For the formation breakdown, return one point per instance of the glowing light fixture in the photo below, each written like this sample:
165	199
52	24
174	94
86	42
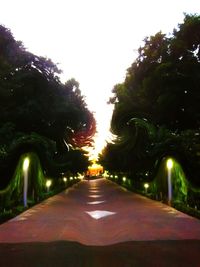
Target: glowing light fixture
48	184
25	170
124	179
146	185
169	182
26	164
80	176
169	164
65	179
105	174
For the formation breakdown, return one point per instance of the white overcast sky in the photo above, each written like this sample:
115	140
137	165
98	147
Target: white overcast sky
94	41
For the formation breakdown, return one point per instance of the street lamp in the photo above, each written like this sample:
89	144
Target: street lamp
169	182
146	186
48	184
25	172
124	179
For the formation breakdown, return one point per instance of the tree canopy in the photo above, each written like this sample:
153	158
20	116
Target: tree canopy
162	89
163	83
34	100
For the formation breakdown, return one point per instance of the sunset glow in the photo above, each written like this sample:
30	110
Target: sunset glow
95	169
94	41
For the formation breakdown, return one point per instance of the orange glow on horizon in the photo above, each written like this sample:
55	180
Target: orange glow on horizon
95	169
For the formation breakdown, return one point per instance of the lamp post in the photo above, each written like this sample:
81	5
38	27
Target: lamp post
64	180
25	172
48	184
124	179
146	186
169	182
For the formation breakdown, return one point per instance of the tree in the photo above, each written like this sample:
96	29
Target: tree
162	84
33	101
161	89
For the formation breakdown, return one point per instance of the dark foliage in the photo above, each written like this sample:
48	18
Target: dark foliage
156	109
37	111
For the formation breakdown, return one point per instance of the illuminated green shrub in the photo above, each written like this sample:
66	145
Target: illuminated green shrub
13	193
180	185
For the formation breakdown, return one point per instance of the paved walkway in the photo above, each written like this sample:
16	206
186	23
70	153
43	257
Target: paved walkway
105	220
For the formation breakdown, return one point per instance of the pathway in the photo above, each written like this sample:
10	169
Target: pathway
106	222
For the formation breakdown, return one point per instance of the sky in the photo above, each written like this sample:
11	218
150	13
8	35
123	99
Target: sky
94	41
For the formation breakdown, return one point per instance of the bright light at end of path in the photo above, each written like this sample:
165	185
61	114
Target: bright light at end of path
169	164
65	179
146	185
26	164
95	169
